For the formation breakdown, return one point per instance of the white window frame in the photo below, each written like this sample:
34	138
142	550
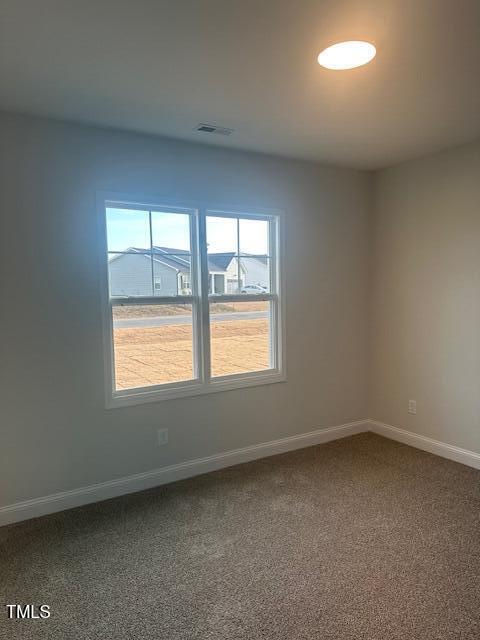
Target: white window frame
202	382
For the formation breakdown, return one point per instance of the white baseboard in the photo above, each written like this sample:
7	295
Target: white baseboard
156	477
469	458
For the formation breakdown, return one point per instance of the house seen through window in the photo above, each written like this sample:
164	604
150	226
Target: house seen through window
193	300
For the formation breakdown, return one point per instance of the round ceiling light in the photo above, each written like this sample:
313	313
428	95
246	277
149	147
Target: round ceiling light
347	55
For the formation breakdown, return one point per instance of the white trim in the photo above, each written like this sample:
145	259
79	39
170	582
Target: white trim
252	213
203	280
156	477
223	209
164	475
202	381
450	451
188	388
242	297
126	301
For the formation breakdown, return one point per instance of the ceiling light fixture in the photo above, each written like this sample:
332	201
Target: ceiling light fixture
347	55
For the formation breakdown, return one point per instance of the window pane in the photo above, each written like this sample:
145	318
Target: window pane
127	229
240	337
171	274
222	235
152	345
171	231
130	274
254	236
255	275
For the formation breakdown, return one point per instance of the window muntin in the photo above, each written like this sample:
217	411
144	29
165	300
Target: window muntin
181	307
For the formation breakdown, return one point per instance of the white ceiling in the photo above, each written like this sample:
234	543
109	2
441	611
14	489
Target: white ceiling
163	66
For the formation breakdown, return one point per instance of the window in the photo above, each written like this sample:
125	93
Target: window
193	302
185	284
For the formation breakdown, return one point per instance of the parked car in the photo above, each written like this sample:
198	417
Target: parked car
254	288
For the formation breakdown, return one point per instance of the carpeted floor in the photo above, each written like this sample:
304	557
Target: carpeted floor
362	538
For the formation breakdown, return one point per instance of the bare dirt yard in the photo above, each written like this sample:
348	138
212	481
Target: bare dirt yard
153	311
155	355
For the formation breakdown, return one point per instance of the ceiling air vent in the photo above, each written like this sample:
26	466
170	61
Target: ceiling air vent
211	128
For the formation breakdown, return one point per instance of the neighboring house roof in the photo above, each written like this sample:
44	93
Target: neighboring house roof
169	261
216	261
174	259
220	261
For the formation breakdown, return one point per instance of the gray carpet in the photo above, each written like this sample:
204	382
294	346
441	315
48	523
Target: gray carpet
361	538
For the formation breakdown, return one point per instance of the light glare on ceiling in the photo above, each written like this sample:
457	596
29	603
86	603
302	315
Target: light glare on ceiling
347	55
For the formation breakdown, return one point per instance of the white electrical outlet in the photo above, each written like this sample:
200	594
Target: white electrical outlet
162	437
412	407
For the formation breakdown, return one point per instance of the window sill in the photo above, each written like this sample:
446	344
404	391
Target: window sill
144	395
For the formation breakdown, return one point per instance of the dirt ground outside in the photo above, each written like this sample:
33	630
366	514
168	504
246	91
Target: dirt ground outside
152	311
156	355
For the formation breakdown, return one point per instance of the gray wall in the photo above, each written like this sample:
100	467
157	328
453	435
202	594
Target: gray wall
55	432
425	306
